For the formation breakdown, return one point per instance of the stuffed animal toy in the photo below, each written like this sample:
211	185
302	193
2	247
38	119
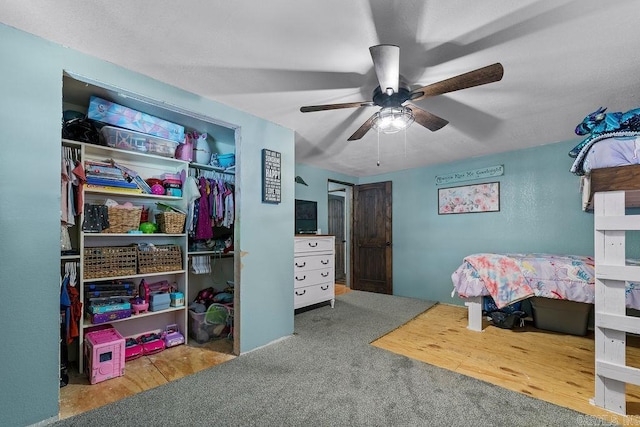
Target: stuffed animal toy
599	122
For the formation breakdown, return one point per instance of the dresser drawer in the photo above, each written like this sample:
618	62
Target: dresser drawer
313	262
313	244
313	294
312	277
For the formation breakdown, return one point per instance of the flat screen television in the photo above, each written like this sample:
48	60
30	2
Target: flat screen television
306	217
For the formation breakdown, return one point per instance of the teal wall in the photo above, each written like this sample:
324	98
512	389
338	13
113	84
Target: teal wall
316	189
539	212
31	109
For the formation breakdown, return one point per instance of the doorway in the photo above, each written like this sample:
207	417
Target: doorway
372	239
339	203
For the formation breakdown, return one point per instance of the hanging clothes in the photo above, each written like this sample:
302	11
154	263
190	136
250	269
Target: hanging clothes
65	303
203	227
71	180
213	194
73	330
191	193
72	306
65	181
78	182
213	204
229	208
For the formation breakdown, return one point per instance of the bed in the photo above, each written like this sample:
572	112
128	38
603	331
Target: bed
610	162
509	278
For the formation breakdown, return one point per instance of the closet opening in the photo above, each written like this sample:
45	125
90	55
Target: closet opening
192	264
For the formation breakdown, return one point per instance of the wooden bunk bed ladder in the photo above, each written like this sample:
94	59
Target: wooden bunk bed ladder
611	322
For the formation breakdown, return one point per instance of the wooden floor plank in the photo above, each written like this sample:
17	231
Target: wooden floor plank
550	366
141	374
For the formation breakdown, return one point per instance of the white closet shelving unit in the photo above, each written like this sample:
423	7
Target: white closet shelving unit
147	166
611	322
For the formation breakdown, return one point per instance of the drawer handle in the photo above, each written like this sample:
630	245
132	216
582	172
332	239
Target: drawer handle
324	262
324	288
313	244
325	274
301	265
300	280
300	294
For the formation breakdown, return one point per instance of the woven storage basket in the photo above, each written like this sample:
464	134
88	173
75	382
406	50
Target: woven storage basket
122	220
171	222
159	258
109	261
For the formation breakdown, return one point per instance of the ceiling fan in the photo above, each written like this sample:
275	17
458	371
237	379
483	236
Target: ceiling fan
392	95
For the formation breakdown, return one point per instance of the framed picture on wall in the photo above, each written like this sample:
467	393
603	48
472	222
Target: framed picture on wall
271	169
469	199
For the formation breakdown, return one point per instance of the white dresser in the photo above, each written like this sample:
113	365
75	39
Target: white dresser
313	270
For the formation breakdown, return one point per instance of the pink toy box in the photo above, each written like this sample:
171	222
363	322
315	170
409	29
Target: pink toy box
104	353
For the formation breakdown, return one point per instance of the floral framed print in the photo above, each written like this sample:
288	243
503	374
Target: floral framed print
469	199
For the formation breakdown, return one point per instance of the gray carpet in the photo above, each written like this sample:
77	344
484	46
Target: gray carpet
327	374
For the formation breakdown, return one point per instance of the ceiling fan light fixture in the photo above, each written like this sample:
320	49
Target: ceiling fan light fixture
393	119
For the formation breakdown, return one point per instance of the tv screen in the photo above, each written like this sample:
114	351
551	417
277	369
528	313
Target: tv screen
306	217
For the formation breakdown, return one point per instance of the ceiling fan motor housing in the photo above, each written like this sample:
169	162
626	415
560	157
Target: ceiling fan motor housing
396	99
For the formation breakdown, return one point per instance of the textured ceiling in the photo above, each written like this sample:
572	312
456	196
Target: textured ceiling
562	60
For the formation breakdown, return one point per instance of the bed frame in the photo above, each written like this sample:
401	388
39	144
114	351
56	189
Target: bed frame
474	313
620	178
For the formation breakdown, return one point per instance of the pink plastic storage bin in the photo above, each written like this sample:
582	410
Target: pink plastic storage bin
104	353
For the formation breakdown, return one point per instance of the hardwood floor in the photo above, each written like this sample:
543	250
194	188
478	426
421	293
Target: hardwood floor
550	366
341	289
141	374
145	373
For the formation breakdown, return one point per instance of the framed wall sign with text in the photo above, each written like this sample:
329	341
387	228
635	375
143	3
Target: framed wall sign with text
271	179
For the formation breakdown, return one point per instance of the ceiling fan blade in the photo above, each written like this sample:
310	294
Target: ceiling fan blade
427	119
310	108
489	74
362	129
386	61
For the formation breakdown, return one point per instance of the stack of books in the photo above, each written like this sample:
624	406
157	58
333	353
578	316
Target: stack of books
107	177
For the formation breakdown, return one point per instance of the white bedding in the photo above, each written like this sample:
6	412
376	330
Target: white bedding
614	151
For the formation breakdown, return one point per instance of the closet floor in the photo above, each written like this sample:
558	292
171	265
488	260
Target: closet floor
141	374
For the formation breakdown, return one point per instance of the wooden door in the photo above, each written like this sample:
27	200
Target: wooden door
336	228
372	244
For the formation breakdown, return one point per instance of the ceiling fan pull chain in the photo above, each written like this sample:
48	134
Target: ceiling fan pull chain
378	147
405	143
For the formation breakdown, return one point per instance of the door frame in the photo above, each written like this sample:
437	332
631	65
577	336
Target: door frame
332	186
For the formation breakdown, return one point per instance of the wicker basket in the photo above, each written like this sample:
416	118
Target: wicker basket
171	222
109	261
159	258
122	220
